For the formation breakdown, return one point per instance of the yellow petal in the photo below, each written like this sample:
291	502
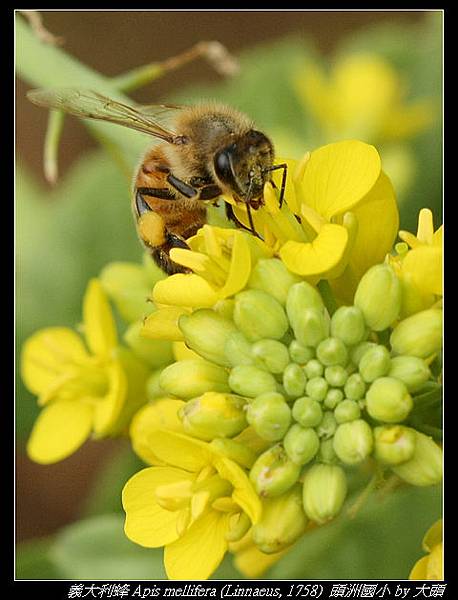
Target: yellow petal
425	229
252	563
338	176
318	257
243	492
433	536
147	523
47	354
180	450
419	569
378	221
424	265
162	324
61	428
109	407
185	290
406	121
240	268
199	552
99	325
434	569
162	414
182	352
438	236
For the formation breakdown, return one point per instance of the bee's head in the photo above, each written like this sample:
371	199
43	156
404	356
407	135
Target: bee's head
243	166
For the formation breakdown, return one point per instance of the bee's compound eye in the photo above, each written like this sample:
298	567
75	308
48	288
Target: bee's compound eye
223	166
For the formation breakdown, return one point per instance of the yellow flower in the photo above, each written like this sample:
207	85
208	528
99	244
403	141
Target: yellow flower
194	504
83	392
430	566
419	265
363	96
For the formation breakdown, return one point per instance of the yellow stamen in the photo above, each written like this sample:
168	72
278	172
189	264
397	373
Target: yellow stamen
425	226
174	496
225	504
239	527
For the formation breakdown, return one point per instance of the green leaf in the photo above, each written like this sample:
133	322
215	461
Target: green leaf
33	561
97	548
382	542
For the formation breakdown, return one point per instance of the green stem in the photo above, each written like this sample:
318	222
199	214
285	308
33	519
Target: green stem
363	496
51	145
327	295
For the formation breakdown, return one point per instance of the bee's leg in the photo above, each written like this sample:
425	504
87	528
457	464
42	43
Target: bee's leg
204	192
161	254
283	166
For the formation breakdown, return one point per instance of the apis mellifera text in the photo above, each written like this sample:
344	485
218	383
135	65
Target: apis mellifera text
208	150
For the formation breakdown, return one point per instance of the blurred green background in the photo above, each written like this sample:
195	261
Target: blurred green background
69	521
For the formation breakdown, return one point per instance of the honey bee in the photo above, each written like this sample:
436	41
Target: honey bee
203	152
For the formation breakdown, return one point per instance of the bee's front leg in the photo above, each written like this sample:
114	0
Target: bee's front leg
202	192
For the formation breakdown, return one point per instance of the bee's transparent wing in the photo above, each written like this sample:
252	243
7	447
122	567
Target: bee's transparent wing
87	104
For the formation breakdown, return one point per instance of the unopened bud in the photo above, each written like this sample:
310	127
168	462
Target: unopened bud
271	354
300	354
419	335
310	327
294	380
360	350
313	368
348	324
270	416
353	441
225	308
191	378
238	349
267	270
156	353
332	398
347	410
236	451
302	296
324	492
379	297
283	521
317	388
326	453
355	388
251	381
214	415
388	400
425	466
206	333
274	472
374	363
394	444
307	412
411	370
258	315
332	351
336	375
301	444
327	426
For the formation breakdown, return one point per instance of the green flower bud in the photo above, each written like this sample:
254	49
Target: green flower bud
324	492
206	333
394	444
301	297
317	388
214	415
283	522
310	327
327	426
411	370
379	296
300	354
153	389
267	270
156	353
251	381
191	378
270	416
353	441
347	410
274	473
236	451
301	444
419	335
336	375
294	380
332	351
307	412
333	397
359	350
348	324
388	400
258	315
326	453
355	388
314	368
225	308
374	363
271	354
238	350
425	466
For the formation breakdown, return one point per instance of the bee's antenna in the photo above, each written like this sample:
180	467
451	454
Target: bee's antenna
283	166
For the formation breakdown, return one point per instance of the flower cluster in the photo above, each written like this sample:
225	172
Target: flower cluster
274	368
